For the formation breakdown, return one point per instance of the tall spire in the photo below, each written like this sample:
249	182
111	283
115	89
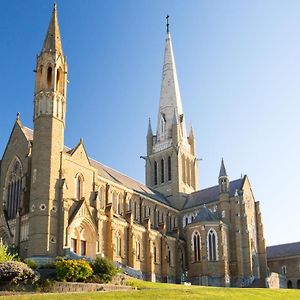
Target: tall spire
149	128
223	172
52	41
170	99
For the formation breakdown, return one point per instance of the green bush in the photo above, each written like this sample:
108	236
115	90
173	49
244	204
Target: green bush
31	263
5	255
104	269
15	272
72	270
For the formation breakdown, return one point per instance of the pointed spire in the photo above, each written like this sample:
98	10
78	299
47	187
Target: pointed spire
52	41
170	99
149	128
223	172
191	135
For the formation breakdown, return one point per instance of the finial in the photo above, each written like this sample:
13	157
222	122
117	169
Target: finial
81	140
18	116
54	4
167	17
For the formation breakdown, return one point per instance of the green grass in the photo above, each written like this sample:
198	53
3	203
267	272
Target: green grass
148	290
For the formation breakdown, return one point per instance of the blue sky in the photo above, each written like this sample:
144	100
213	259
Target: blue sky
238	64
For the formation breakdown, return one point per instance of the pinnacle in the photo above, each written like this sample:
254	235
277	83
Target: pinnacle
223	172
52	42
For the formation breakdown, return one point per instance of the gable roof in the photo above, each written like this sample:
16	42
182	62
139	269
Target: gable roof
113	175
205	215
197	198
211	194
290	249
117	177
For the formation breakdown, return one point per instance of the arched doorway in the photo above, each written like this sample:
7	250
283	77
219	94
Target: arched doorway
298	284
289	284
83	237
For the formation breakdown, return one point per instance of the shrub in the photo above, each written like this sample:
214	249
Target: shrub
72	270
104	269
15	272
31	263
5	255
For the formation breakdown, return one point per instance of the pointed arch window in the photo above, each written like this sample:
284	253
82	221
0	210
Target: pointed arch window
155	253
212	242
155	173
49	77
196	246
169	168
138	249
162	170
169	256
79	187
14	188
118	244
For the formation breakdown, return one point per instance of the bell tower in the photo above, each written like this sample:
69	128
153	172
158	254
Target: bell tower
171	164
48	142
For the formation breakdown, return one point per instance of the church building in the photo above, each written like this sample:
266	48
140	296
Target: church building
58	201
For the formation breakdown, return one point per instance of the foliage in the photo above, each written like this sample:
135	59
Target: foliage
104	269
5	254
44	285
72	270
31	263
15	272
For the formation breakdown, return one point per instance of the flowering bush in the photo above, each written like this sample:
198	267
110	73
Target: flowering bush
15	272
72	270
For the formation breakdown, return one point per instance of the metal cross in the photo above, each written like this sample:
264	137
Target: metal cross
167	17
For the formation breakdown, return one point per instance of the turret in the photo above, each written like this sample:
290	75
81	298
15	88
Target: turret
223	179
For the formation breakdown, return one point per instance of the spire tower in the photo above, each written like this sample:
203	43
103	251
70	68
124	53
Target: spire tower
171	165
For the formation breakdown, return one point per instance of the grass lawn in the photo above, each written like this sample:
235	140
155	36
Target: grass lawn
147	290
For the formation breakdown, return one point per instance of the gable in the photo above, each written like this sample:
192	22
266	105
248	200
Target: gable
79	155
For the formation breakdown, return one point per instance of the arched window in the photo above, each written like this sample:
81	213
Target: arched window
169	255
169	168
196	245
155	254
118	244
14	188
212	245
283	270
59	80
155	173
183	169
39	78
118	205
188	172
138	249
79	187
162	170
49	77
134	211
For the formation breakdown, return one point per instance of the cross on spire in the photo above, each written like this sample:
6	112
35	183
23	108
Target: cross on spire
167	17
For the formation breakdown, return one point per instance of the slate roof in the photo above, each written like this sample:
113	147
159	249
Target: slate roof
113	175
282	250
205	215
211	194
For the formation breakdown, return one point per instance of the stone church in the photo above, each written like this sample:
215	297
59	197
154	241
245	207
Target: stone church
58	201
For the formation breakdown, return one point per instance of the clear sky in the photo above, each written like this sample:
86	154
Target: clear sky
238	65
